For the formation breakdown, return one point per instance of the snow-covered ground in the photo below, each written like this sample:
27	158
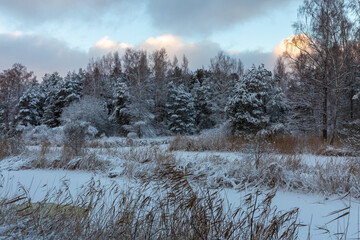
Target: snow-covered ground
314	208
130	160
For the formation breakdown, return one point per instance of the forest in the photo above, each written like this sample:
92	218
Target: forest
313	89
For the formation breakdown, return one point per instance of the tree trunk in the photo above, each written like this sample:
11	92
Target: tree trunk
334	134
324	114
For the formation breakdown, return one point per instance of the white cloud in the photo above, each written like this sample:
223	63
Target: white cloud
198	53
106	43
47	55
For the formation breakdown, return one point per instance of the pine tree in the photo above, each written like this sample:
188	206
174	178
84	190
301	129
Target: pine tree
121	114
181	110
70	90
60	94
29	107
50	87
202	104
257	104
13	82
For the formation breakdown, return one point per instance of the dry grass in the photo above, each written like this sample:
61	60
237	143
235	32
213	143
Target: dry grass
208	143
281	144
290	173
10	147
144	162
88	162
289	144
174	210
106	143
45	145
48	157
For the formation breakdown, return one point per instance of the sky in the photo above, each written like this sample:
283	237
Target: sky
62	35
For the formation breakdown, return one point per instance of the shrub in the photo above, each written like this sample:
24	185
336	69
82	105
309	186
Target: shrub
39	134
75	137
90	110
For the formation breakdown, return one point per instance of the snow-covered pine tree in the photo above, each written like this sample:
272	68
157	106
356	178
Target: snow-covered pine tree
60	94
13	82
29	107
181	110
202	104
258	104
121	114
50	87
70	90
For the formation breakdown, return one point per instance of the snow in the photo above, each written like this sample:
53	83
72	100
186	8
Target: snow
38	182
314	209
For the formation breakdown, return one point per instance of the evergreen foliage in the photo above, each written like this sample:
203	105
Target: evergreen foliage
181	110
258	104
29	107
202	105
121	113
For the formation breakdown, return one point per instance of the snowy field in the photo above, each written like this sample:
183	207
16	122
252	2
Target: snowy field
130	163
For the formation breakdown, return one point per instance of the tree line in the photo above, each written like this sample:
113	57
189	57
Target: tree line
314	87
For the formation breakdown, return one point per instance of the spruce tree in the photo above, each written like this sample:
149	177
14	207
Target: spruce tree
181	110
121	114
60	94
202	104
29	107
258	104
50	87
70	90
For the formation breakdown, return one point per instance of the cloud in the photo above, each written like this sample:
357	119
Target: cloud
46	55
198	16
39	54
178	17
40	11
105	45
293	45
198	53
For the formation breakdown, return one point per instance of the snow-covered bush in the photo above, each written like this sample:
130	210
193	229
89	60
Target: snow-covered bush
75	137
140	129
42	133
90	110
